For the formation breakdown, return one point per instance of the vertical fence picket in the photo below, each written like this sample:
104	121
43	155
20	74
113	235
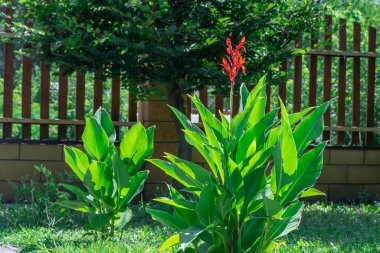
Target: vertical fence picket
44	100
203	97
356	85
236	104
26	96
79	103
218	105
282	85
188	106
313	72
371	72
115	101
342	80
62	102
327	74
297	88
268	92
98	90
132	108
8	74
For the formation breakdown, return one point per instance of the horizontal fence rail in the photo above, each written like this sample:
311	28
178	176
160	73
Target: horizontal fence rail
352	119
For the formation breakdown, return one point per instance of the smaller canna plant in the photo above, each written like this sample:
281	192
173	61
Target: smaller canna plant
111	178
260	167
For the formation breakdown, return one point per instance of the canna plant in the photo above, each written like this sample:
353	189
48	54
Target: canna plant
259	167
111	178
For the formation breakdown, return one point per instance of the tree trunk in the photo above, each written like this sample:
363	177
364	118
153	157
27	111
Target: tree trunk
175	99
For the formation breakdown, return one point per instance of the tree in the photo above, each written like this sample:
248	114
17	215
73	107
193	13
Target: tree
172	43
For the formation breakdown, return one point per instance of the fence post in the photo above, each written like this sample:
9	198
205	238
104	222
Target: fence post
62	102
371	84
297	89
79	103
327	74
356	85
342	80
8	73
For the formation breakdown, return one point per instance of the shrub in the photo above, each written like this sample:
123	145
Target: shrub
259	168
111	179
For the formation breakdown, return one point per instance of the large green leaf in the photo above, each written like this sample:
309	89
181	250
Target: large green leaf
290	220
134	146
95	139
99	221
121	175
308	171
206	205
136	186
77	160
124	218
186	123
188	235
165	219
180	203
172	241
75	205
100	175
106	123
284	155
310	128
312	192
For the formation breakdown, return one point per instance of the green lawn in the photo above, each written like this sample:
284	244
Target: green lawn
324	228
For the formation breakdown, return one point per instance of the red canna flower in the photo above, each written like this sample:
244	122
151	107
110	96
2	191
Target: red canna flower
234	61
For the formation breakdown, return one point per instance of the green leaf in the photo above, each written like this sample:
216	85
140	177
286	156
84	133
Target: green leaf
310	128
165	219
100	175
77	160
188	235
244	94
105	122
134	145
180	203
99	221
312	192
95	139
172	241
76	190
206	205
186	123
308	171
272	208
121	174
136	186
125	217
75	205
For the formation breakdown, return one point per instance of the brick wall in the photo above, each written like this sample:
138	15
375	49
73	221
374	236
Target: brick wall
346	172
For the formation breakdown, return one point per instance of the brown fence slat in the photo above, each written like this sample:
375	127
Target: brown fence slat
268	92
342	80
44	100
26	89
371	85
313	73
297	90
218	105
236	104
79	103
98	90
8	75
132	108
282	85
115	101
327	74
188	106
203	96
62	102
356	85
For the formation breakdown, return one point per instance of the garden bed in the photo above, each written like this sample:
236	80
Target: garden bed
324	228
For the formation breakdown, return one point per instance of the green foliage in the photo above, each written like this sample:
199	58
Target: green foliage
260	167
175	43
111	179
37	199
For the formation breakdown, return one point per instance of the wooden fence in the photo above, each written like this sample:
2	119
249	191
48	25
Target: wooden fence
353	133
44	121
344	130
